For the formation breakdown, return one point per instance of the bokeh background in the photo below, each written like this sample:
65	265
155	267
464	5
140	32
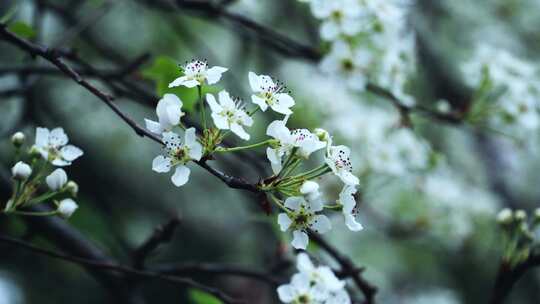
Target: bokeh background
430	235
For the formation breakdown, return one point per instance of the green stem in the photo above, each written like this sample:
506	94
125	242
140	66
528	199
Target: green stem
280	205
262	143
42	198
201	101
292	167
45	213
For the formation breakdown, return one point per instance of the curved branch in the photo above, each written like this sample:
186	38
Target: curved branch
507	277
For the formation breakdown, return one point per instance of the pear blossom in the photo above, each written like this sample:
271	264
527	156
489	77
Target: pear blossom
52	145
21	171
169	113
178	154
287	140
348	65
270	94
338	160
67	207
300	216
300	291
228	114
196	73
314	285
57	179
346	199
340	17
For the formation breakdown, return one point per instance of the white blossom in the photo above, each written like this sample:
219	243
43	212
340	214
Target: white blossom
340	17
169	113
52	145
229	114
338	160
270	94
21	171
196	73
57	179
286	140
67	207
177	154
302	215
18	139
347	200
314	285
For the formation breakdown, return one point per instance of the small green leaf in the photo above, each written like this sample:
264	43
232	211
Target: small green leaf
163	71
199	297
22	29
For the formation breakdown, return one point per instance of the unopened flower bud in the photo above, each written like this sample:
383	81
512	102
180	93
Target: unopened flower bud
67	207
309	187
322	134
56	180
18	139
72	188
505	216
520	215
34	152
21	171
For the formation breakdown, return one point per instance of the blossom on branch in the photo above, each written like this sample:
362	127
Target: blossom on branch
196	73
270	94
53	147
169	113
229	114
178	154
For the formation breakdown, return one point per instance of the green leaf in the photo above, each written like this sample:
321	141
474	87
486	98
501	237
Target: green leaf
22	29
163	71
199	297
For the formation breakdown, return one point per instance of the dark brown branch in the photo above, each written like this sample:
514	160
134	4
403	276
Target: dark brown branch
347	268
162	234
53	57
216	269
507	277
120	269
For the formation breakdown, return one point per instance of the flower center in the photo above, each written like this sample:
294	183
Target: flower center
303	299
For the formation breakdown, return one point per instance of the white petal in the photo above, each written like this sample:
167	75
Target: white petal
278	130
238	130
213	74
300	240
260	102
321	224
329	30
286	293
70	153
220	121
225	100
254	82
178	82
60	162
348	178
161	164
294	202
214	106
42	137
303	263
281	109
58	137
153	126
351	222
195	151
57	179
191	83
180	176
284	221
190	137
285	100
273	156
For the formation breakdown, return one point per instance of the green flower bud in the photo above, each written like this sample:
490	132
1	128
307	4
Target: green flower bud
72	188
18	139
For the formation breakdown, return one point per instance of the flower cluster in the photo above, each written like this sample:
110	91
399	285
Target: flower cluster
313	285
519	234
295	193
511	86
36	182
369	41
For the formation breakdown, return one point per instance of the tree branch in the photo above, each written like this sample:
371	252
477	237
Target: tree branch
507	277
120	269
